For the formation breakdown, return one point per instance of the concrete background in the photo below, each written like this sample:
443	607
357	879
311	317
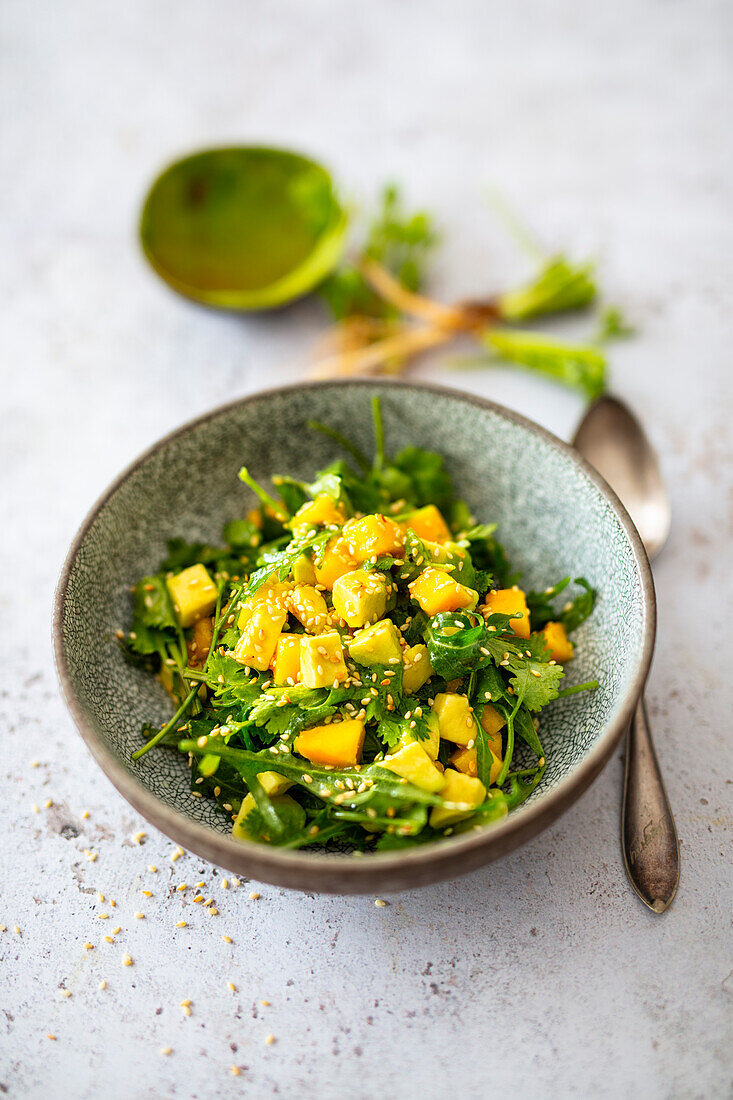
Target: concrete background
609	127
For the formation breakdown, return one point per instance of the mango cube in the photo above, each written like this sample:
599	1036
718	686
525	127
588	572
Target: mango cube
413	764
466	761
193	594
558	642
338	743
263	624
309	608
198	647
492	721
360	597
286	666
336	561
428	523
464	792
373	536
435	591
509	601
322	660
416	670
431	743
378	644
321	512
456	719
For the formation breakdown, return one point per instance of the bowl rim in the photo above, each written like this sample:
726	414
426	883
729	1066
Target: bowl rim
388	871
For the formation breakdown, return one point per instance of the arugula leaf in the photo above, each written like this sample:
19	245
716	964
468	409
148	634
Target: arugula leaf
580	608
456	643
488	555
281	562
540	606
430	482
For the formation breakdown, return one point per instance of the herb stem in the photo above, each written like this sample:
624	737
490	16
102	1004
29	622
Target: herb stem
589	685
337	437
262	494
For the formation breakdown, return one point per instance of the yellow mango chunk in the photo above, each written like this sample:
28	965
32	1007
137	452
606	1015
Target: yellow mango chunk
465	760
417	669
360	597
435	591
321	512
286	666
309	608
322	660
558	642
509	601
273	594
338	743
337	560
198	647
492	721
193	594
456	719
464	791
413	764
260	633
431	743
428	523
373	536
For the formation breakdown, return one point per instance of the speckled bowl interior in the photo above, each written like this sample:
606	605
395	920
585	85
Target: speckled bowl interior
555	517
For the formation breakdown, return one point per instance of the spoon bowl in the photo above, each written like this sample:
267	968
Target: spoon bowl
614	442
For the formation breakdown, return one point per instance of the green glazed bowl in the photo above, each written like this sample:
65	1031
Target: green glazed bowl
243	228
556	516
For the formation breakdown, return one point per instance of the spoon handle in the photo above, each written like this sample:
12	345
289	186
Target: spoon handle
648	833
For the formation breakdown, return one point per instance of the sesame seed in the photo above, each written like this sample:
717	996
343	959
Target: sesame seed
35	808
140	916
183	886
102	984
52	1037
103	916
234	1070
116	931
109	939
126	960
270	1040
152	868
254	895
65	992
231	987
166	1050
181	924
380	903
85	813
227	939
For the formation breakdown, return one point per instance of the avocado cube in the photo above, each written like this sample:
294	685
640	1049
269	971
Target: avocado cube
431	743
456	719
463	792
322	660
360	597
413	764
193	594
417	669
378	644
304	571
261	630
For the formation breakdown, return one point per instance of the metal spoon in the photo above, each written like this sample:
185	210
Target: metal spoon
612	439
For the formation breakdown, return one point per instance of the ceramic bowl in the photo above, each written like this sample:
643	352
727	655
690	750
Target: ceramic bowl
556	516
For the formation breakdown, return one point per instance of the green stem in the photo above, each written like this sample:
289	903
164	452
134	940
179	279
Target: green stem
589	685
262	494
337	437
379	456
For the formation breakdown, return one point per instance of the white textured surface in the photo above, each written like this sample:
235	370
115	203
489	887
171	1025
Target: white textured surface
610	126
